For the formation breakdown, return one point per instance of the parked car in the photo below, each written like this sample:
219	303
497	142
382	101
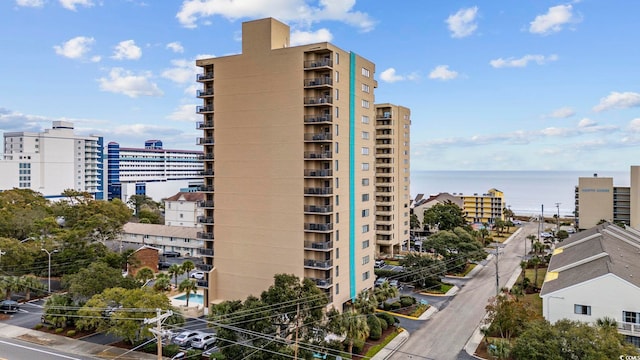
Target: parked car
379	264
9	306
184	338
394	283
380	281
163	265
203	341
170	253
545	235
199	275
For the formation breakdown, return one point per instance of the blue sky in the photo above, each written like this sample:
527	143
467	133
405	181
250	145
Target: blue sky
492	84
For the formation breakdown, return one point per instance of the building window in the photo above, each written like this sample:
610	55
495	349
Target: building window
365	228
630	317
582	309
365	276
365	135
365	212
365	72
337	218
364	119
365	182
365	260
337	200
337	183
365	244
337	270
337	289
365	103
365	151
337	76
365	88
337	57
365	197
365	166
336	165
337	112
337	94
336	147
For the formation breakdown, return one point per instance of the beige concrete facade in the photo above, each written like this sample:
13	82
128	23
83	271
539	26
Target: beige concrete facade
289	139
594	201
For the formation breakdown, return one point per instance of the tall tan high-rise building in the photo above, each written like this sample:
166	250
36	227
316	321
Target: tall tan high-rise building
292	164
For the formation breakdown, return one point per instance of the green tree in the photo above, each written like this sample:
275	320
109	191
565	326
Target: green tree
507	317
365	302
10	284
414	222
532	238
175	270
187	267
456	247
92	280
151	217
562	234
355	328
385	292
138	202
189	287
422	270
30	284
162	283
446	216
59	310
20	211
145	274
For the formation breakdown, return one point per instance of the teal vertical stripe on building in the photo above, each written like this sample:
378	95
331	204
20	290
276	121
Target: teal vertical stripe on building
352	175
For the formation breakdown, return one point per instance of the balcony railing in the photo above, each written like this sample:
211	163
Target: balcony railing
208	156
318	136
204	235
318	118
204	267
205	203
630	328
325	245
203	283
204	125
322	283
318	173
318	209
205	76
318	63
208	172
318	264
208	252
318	100
207	92
318	81
205	219
318	155
318	190
318	227
205	188
204	109
205	141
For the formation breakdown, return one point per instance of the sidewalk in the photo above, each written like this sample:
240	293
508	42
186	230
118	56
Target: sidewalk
392	346
68	345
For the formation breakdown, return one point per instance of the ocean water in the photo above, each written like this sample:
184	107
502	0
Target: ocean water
526	192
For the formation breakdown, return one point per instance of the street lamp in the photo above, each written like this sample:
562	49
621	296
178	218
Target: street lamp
2	253
49	253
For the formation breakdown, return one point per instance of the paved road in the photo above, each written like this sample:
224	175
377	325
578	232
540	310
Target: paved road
444	335
12	349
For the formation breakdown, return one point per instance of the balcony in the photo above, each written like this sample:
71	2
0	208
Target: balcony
326	118
205	188
629	328
208	172
318	209
207	252
318	227
318	264
204	235
205	219
318	155
318	82
205	203
325	245
318	173
203	283
204	267
318	100
322	283
312	64
205	93
204	77
205	141
207	156
200	125
323	136
204	109
318	191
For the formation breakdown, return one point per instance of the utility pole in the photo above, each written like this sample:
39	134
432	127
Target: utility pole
497	273
558	218
158	330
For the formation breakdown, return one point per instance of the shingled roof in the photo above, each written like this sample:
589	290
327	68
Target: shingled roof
604	249
187	196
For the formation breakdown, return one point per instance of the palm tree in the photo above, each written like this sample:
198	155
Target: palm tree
30	283
355	327
163	282
145	274
532	238
188	286
608	324
385	292
55	310
523	266
10	284
187	266
536	262
175	270
365	302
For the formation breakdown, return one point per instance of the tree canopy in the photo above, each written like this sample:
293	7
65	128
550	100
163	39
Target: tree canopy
446	216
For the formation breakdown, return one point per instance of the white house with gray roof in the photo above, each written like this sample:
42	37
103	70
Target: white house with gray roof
163	237
596	274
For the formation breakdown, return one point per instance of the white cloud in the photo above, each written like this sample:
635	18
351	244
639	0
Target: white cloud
585	123
125	82
185	112
462	23
442	72
390	76
309	37
30	3
127	50
71	4
562	113
618	100
523	61
182	72
176	47
553	20
75	48
634	125
290	11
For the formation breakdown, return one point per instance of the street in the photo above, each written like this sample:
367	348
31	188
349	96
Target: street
445	334
13	349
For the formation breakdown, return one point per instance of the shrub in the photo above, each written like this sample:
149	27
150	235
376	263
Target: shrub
406	302
59	330
38	326
383	324
396	305
169	350
358	346
388	318
71	333
375	329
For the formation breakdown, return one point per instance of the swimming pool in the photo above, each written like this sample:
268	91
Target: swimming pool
193	298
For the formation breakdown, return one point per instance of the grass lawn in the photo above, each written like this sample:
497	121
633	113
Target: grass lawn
530	273
444	287
374	349
535	301
392	262
466	270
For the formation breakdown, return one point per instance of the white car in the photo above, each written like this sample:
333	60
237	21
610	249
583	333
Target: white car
203	341
184	338
199	275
